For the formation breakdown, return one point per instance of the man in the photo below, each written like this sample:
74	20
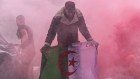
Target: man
65	24
24	33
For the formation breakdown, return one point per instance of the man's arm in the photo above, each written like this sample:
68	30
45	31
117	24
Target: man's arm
24	38
51	32
83	29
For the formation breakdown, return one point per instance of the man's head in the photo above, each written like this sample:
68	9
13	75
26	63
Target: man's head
69	9
20	20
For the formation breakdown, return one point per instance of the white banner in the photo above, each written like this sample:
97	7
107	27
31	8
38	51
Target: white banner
82	61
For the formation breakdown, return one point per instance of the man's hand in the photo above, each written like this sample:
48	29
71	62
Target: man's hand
44	49
95	43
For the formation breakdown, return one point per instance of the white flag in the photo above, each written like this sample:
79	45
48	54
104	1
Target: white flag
82	61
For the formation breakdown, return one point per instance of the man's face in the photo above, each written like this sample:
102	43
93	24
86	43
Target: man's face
70	13
20	20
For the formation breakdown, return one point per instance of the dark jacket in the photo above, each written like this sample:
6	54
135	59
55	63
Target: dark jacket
67	32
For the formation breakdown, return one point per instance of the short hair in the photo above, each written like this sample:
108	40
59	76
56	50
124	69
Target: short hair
69	5
20	16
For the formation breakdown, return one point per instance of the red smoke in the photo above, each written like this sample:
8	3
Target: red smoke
126	64
115	24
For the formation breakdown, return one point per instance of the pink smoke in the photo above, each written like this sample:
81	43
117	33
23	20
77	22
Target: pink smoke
113	23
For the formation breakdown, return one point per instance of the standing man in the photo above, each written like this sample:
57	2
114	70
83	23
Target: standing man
65	24
24	33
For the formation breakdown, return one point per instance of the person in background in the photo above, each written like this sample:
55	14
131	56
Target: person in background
25	34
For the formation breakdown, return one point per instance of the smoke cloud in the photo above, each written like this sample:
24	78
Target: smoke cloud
115	24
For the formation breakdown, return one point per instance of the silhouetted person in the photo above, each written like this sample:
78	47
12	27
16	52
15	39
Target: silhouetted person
24	33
